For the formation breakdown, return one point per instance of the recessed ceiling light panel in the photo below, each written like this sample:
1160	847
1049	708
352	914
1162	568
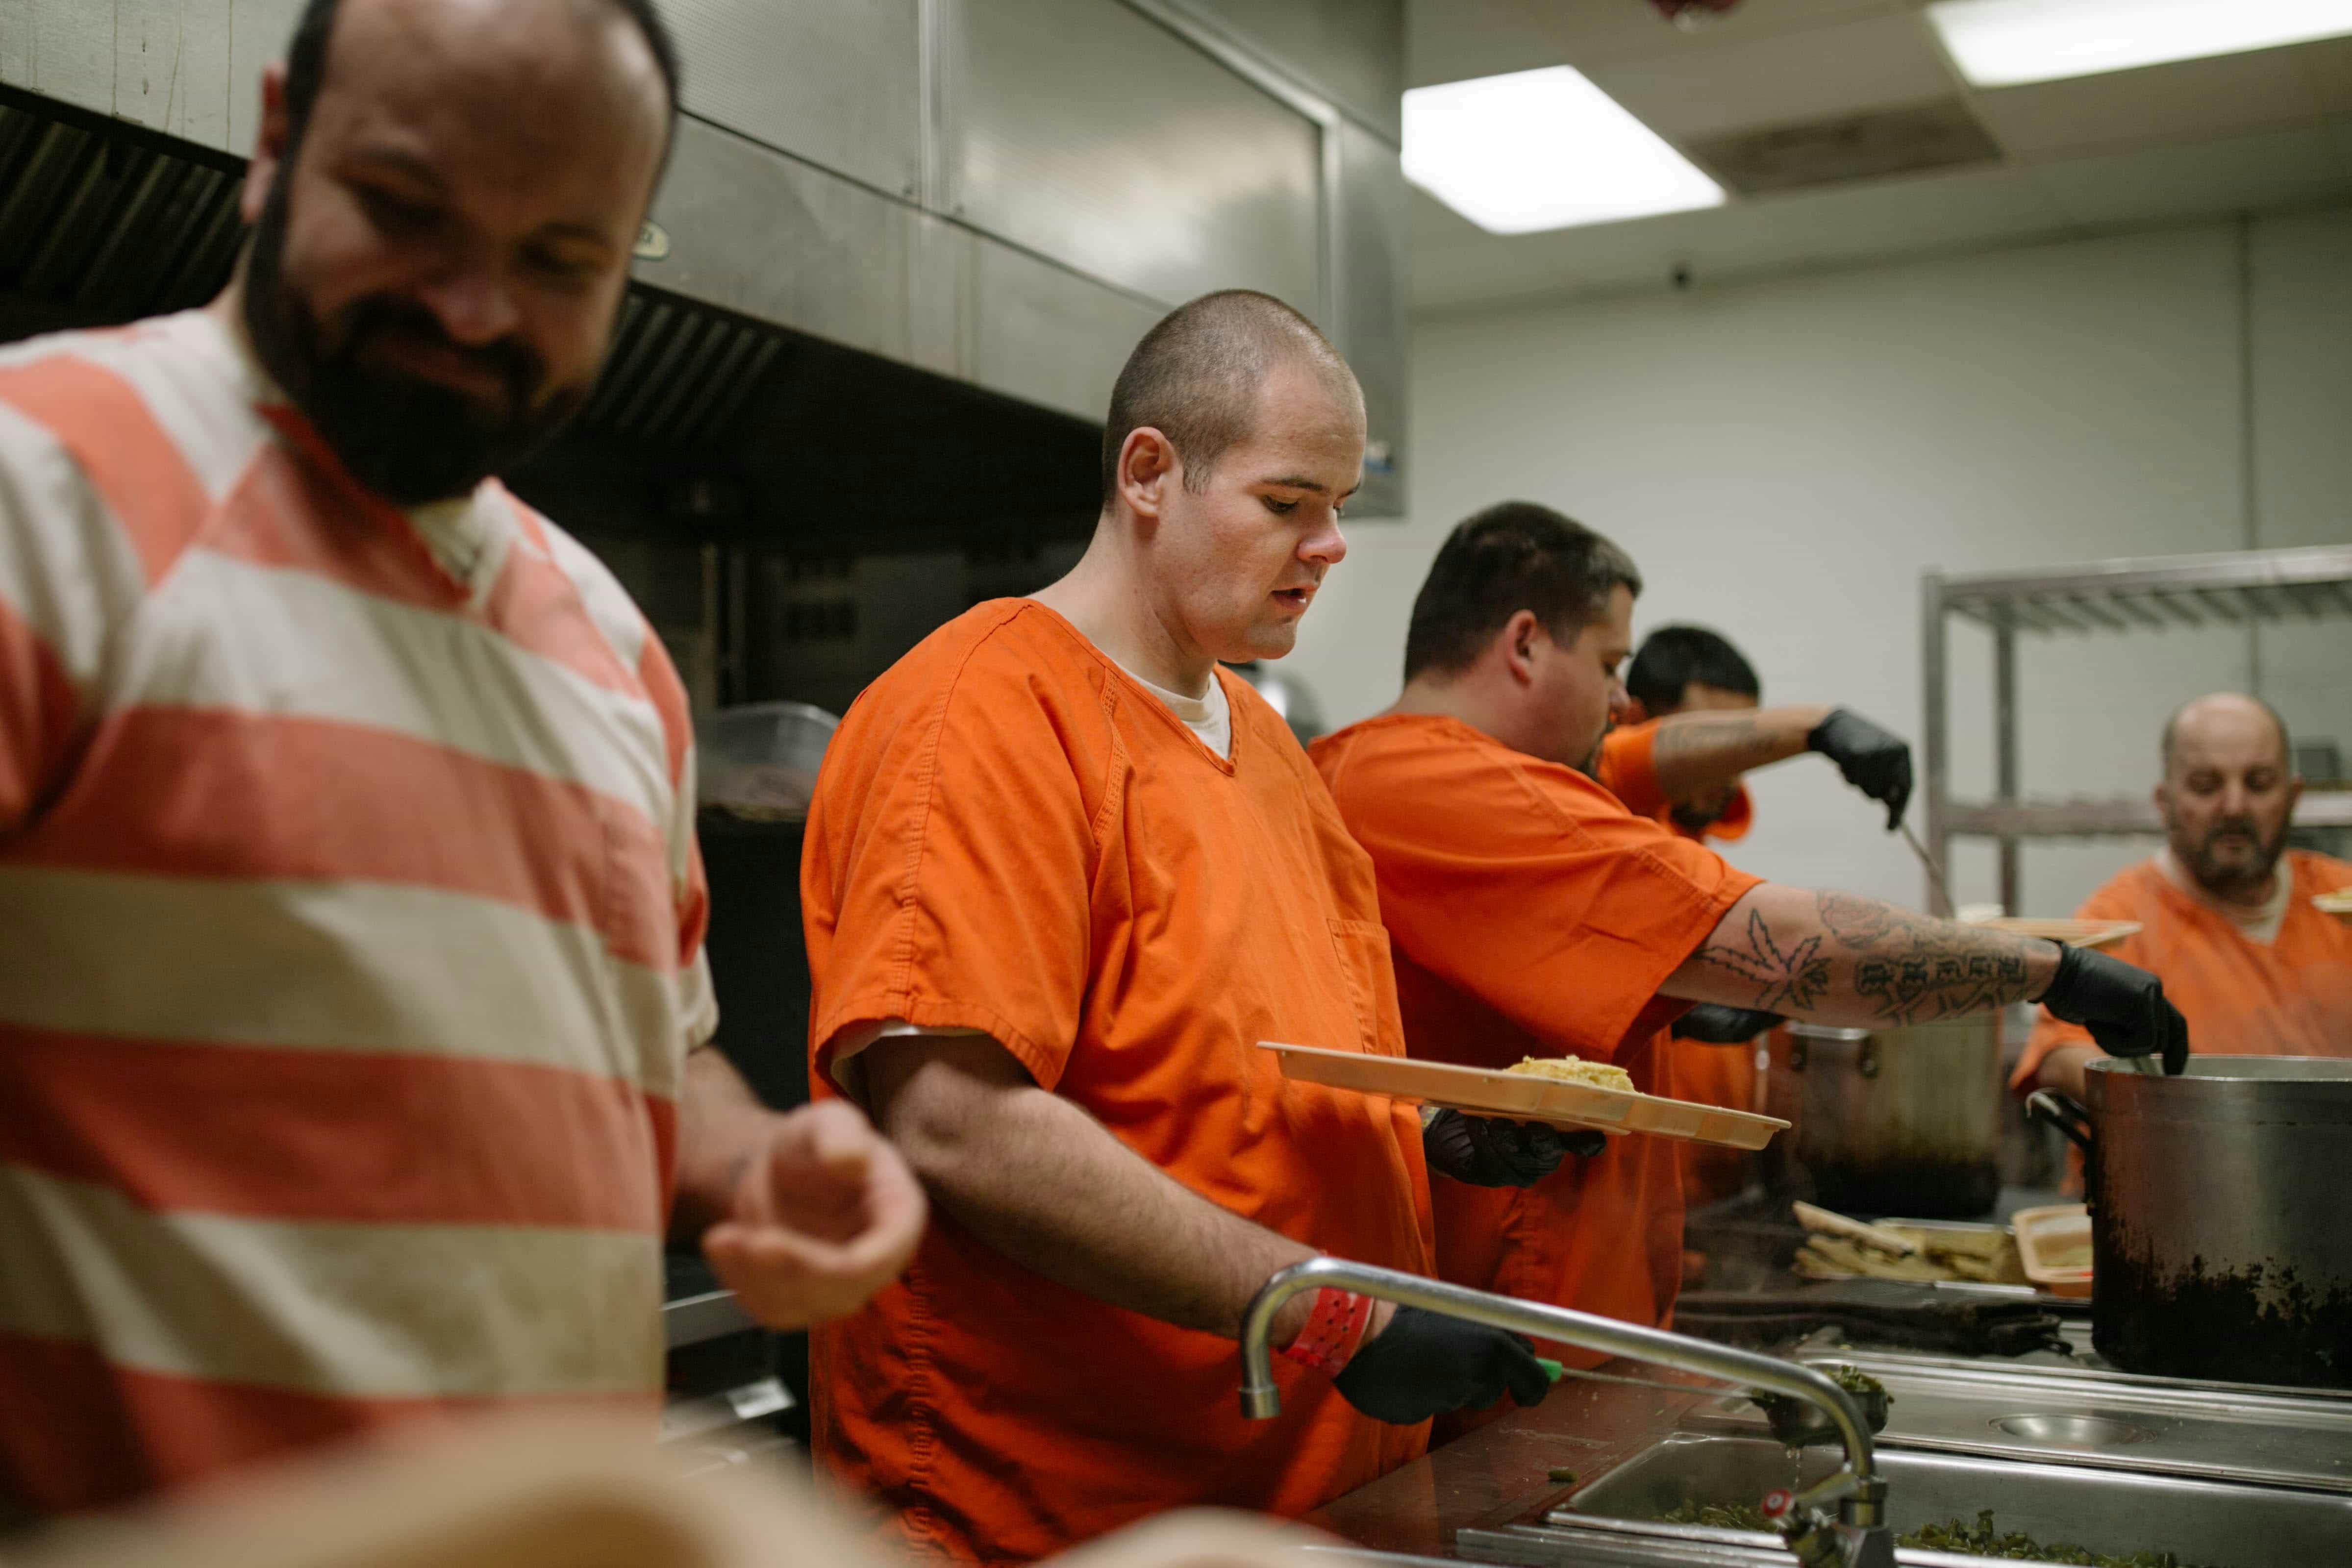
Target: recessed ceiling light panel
2007	43
1543	150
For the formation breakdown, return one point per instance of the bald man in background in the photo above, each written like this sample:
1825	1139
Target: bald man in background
2225	907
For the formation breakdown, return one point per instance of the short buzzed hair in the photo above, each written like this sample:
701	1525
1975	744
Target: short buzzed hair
1195	376
1512	557
2172	727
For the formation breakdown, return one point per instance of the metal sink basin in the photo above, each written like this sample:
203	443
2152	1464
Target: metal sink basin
2215	1432
2212	1524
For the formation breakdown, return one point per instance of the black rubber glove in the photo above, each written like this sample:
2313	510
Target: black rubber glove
1424	1364
2123	1007
1713	1023
1872	760
1492	1150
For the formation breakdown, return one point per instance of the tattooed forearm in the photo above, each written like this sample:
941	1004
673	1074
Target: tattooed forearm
1838	957
1791	981
1918	969
1932	984
1696	752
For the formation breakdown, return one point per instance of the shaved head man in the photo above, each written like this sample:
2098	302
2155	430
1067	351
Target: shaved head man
2225	909
1235	431
1063	875
2228	794
354	1067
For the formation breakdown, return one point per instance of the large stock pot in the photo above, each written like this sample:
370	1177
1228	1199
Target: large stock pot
1902	1120
2220	1244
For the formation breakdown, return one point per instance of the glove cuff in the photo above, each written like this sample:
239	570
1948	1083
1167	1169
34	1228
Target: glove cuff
1814	737
1334	1329
2062	980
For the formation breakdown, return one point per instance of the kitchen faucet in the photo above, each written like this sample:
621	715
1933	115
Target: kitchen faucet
1857	1538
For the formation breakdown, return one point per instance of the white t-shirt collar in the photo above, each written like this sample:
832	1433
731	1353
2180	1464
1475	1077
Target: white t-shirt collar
2258	925
1209	716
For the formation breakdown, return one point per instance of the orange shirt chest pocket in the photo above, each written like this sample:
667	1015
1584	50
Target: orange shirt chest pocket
1369	969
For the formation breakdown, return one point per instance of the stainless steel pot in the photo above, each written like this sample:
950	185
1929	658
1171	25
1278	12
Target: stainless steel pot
2219	1241
1903	1121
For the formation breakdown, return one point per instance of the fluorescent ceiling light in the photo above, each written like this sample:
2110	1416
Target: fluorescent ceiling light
1543	150
2002	43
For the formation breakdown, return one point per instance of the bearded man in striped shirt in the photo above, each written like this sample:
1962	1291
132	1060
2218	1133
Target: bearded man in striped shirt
352	1000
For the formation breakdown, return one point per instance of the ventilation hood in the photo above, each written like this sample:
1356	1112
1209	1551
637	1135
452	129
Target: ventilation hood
971	208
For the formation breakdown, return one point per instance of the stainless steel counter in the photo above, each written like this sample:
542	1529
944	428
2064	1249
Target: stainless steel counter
2229	1474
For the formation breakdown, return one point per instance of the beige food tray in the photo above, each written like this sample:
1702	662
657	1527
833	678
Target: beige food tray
1525	1096
2339	905
2074	933
2042	1234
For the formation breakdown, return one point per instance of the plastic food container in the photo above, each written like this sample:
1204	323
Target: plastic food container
759	761
2055	1246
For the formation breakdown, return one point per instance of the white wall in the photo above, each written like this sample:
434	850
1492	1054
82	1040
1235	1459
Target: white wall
1785	459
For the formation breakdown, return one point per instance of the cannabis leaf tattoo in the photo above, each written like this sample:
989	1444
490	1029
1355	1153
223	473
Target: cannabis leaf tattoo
1786	982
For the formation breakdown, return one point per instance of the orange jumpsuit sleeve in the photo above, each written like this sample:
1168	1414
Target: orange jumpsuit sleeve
1535	890
948	860
2109	903
1629	767
1629	770
1736	819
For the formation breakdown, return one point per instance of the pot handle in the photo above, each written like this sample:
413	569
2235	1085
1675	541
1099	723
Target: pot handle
2061	1111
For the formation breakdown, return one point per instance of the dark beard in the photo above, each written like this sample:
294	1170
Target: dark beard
408	440
2222	881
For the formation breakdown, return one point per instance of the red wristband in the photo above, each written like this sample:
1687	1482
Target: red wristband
1333	1331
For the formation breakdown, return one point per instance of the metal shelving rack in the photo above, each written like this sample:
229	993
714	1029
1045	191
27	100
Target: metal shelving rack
2241	588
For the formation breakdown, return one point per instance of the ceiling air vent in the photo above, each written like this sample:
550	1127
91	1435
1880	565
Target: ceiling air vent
1938	135
102	223
678	372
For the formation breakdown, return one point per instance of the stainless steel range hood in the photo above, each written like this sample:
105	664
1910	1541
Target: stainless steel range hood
1001	194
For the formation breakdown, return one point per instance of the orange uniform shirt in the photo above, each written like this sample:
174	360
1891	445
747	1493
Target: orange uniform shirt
1629	766
1534	915
2241	998
1712	1074
1010	834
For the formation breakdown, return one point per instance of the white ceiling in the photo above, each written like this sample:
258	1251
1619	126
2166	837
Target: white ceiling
2198	139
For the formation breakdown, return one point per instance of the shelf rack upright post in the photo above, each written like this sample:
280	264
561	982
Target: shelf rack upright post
2238	588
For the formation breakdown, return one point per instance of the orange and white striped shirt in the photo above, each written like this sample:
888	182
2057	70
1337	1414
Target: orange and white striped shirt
350	937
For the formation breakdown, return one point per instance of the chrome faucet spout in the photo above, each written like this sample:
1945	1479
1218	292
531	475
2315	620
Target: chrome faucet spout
1858	1490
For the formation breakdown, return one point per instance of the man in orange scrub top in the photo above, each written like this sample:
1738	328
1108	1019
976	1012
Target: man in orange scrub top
1533	914
1063	874
1693	726
2225	908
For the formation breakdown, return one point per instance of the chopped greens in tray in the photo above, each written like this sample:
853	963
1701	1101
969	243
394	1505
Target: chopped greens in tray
1738	1517
1853	1380
1980	1540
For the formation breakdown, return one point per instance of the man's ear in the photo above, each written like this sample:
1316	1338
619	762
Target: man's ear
269	146
1520	635
1636	710
1147	468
